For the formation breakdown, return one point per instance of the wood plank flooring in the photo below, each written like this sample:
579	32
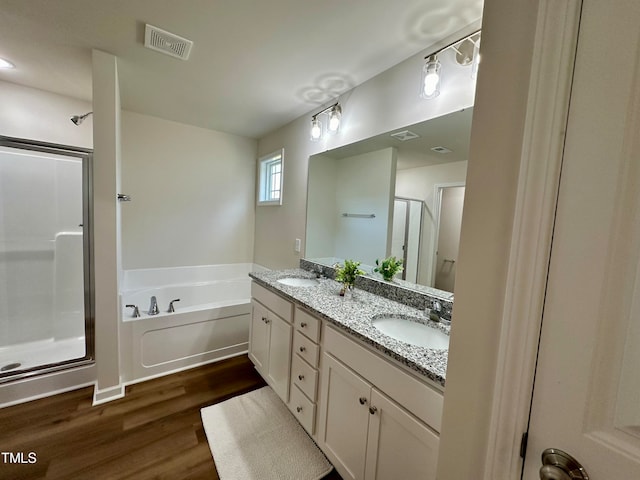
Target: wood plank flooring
154	432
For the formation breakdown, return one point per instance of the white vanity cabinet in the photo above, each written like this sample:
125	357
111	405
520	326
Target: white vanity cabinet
364	432
270	338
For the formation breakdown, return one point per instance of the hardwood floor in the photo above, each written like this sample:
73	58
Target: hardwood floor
154	432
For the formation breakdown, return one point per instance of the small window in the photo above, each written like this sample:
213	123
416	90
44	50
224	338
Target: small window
270	181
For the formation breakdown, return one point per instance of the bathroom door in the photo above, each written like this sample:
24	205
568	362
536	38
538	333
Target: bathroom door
586	399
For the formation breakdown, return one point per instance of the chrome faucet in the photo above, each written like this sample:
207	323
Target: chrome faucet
171	308
136	311
435	311
153	308
438	314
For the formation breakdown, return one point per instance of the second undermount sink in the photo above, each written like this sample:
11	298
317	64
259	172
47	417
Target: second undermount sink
298	282
412	331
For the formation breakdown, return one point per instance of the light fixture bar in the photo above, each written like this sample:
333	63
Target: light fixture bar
313	117
454	43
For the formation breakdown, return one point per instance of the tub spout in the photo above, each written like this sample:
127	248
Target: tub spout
153	308
171	308
136	312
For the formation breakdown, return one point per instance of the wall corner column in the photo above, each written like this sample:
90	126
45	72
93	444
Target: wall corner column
106	225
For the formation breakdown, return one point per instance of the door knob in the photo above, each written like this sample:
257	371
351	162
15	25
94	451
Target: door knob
559	465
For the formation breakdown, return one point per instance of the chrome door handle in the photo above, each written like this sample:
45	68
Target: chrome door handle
559	465
373	410
362	400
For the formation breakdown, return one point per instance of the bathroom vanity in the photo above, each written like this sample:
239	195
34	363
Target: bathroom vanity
372	403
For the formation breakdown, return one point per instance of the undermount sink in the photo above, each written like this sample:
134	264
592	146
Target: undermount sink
298	282
411	331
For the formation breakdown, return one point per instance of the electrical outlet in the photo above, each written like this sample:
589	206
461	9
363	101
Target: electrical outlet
297	246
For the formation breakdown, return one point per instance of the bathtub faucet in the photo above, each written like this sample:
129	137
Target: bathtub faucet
136	312
153	308
171	309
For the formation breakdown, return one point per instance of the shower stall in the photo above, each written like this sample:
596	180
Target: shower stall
46	319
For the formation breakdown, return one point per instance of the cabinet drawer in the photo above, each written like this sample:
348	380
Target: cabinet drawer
304	376
278	305
303	409
306	349
307	324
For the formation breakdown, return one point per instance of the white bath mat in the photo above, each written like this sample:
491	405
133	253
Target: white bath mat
255	437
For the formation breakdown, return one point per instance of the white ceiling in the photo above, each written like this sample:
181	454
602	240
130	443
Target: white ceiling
255	64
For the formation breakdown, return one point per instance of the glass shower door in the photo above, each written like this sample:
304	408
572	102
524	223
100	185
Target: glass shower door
43	258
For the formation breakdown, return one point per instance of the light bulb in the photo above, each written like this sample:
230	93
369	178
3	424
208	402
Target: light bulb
431	78
6	64
316	129
334	118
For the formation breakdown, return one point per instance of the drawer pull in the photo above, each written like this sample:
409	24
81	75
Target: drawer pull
303	324
302	349
298	409
363	400
300	377
373	410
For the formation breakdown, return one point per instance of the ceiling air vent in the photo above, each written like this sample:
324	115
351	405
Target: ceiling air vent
404	135
164	42
441	149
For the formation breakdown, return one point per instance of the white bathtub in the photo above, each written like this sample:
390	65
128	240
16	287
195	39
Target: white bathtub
211	320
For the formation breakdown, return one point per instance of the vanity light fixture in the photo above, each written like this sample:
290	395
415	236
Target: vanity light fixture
467	53
6	64
334	112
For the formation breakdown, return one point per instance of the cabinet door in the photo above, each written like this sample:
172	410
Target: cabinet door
399	445
279	356
259	338
344	418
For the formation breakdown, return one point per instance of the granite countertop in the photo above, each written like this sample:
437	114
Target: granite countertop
354	314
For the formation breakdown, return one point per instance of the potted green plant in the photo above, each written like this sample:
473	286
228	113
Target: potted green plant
388	268
347	273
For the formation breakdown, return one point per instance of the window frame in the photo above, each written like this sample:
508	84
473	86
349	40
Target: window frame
265	188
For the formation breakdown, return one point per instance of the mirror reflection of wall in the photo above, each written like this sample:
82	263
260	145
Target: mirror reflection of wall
425	155
451	200
349	206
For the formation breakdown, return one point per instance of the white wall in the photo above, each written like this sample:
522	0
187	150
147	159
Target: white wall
419	183
386	102
43	116
193	194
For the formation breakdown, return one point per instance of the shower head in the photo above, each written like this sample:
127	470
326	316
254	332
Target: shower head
78	119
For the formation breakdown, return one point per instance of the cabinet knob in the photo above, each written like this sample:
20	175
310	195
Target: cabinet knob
300	377
298	409
302	349
303	324
363	400
372	410
264	319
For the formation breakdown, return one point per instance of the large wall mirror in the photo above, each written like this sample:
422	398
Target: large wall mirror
399	193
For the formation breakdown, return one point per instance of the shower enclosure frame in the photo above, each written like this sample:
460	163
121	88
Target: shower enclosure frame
86	155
